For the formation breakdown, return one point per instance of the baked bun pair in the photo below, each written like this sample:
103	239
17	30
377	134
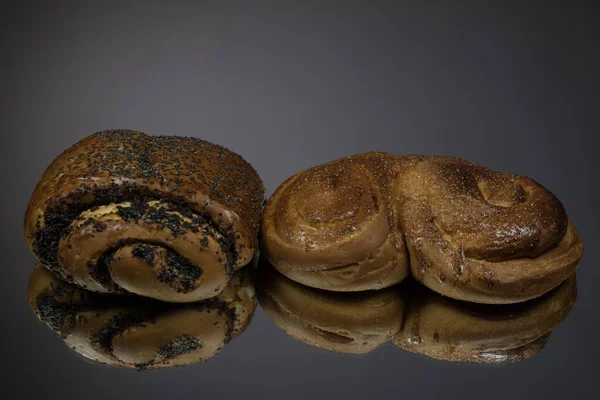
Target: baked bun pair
173	218
414	318
136	332
166	217
368	221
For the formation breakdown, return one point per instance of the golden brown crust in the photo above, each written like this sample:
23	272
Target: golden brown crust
483	236
343	322
134	187
451	330
469	232
133	332
330	227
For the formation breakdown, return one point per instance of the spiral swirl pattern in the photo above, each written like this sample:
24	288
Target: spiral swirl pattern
362	222
170	218
329	227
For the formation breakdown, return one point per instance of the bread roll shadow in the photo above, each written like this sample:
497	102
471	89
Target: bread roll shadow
135	332
414	318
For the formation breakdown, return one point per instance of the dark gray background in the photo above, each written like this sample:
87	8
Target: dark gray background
513	87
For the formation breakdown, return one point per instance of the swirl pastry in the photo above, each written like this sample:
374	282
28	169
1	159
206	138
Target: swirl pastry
367	221
166	217
141	333
452	330
353	323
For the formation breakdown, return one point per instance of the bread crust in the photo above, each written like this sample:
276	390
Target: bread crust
125	187
331	227
363	222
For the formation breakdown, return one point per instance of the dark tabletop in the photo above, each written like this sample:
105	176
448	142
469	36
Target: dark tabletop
512	87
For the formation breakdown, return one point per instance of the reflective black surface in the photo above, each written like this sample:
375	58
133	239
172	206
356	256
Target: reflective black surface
414	318
511	86
132	332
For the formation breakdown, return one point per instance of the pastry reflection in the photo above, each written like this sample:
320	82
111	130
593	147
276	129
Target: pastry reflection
133	332
414	318
355	322
447	329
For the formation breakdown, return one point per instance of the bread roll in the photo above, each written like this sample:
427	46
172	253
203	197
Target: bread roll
134	332
363	222
343	322
170	218
452	330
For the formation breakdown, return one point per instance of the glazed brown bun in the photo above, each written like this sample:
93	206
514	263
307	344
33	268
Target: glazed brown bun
134	332
343	322
452	330
363	222
165	217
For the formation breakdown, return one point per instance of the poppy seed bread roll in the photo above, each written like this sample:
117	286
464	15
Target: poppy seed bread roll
366	221
161	216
